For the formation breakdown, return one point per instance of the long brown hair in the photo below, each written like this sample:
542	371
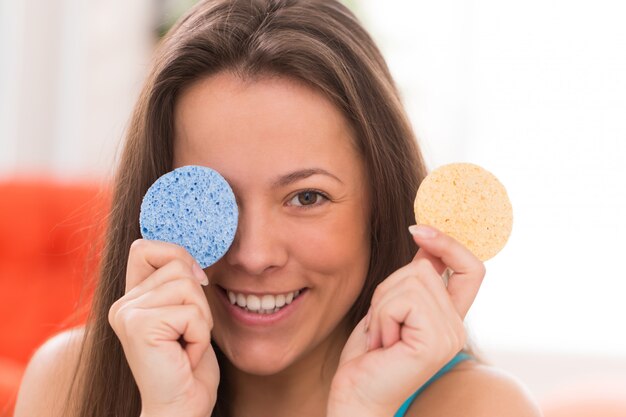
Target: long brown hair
320	43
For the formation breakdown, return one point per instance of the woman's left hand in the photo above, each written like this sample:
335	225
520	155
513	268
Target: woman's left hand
413	328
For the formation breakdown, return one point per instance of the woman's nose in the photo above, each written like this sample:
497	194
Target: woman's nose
257	246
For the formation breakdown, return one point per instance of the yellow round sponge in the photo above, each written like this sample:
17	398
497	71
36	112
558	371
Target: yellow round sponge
468	203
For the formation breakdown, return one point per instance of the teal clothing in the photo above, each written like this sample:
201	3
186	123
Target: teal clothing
460	357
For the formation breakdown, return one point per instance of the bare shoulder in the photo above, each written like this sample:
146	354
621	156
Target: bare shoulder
49	374
472	389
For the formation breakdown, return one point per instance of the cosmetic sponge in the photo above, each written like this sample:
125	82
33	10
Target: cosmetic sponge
193	207
468	203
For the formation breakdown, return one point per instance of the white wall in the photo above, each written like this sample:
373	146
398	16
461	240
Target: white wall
534	91
69	74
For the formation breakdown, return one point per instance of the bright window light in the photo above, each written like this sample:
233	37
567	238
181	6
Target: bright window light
534	91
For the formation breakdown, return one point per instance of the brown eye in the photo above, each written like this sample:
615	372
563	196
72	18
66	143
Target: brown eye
307	198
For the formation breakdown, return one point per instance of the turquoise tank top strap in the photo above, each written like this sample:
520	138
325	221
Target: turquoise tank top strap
460	357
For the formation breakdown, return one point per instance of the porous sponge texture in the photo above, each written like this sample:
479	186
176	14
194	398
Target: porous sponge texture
468	203
194	207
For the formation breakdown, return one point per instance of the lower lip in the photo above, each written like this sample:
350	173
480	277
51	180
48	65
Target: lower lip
253	319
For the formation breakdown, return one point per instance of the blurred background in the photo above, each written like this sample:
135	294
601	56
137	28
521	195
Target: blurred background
534	91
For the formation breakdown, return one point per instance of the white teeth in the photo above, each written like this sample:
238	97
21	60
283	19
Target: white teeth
254	302
266	304
280	300
241	300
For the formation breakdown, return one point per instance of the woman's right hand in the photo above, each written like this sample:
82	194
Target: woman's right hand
163	304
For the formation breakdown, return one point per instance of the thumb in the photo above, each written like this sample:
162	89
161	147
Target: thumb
356	344
468	271
208	373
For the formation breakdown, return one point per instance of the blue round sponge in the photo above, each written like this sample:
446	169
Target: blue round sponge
194	207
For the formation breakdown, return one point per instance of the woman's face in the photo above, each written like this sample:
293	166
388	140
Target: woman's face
301	187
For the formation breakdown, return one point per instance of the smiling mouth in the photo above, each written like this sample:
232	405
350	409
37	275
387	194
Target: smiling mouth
262	304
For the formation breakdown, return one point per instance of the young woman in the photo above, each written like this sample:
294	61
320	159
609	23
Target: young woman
293	104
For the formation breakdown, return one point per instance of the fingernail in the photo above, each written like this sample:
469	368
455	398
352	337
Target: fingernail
422	231
199	273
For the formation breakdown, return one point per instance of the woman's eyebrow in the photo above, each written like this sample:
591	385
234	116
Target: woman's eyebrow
301	174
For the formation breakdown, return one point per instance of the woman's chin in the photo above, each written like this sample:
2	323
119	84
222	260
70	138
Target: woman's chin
260	368
259	357
262	363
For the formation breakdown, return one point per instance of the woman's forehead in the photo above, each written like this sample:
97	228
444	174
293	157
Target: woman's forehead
226	104
271	122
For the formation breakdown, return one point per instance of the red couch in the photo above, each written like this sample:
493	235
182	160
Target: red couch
50	240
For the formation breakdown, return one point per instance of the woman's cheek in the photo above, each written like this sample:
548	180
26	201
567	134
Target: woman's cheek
335	245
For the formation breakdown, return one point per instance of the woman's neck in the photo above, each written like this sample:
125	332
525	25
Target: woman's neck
299	390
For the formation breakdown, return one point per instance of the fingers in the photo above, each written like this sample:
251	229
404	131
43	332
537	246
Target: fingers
146	256
174	292
423	264
164	325
173	270
165	304
412	295
417	297
175	308
176	273
437	264
468	271
356	344
454	255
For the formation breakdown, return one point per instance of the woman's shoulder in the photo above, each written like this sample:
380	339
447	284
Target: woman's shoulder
49	375
474	389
